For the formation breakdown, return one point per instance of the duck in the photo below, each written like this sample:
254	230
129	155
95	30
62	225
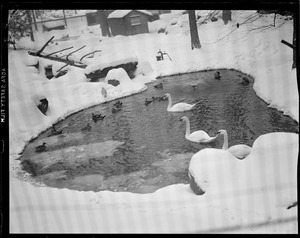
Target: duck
54	132
179	107
217	75
194	86
115	109
199	136
162	98
240	151
155	99
118	104
147	102
41	148
104	92
101	117
245	81
87	127
160	85
96	117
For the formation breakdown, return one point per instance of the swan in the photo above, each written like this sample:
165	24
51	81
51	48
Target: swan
240	151
197	136
179	107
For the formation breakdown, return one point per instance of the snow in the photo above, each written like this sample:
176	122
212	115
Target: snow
123	13
256	190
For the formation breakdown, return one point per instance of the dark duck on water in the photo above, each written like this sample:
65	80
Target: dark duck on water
160	85
54	132
87	127
96	117
41	148
217	75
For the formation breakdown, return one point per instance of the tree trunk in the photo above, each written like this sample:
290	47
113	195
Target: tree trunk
194	30
34	20
103	22
294	41
30	25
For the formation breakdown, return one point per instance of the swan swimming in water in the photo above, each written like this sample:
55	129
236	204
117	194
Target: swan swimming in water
240	151
197	136
179	107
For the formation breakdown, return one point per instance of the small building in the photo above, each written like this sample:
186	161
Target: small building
128	22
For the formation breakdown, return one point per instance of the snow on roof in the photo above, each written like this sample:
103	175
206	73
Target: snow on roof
123	13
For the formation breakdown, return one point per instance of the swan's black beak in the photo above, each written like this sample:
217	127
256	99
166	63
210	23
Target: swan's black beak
180	119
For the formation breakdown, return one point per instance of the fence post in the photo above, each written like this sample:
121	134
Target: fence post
65	18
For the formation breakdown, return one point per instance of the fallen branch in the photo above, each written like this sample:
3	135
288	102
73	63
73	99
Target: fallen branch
59	51
89	54
74	52
41	50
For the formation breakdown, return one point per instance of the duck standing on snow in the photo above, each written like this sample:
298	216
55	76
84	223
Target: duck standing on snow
104	92
179	107
41	148
197	136
240	151
87	127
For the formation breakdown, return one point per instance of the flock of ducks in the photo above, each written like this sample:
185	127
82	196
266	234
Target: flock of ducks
95	117
240	151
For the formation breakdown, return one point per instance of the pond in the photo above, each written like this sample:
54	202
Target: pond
142	147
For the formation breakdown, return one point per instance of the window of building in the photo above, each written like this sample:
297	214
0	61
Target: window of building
135	20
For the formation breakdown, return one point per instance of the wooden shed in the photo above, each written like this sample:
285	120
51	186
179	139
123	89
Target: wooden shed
128	22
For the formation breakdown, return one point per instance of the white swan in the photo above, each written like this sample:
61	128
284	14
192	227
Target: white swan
197	136
240	151
179	107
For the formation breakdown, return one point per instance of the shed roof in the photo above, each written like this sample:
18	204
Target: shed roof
123	13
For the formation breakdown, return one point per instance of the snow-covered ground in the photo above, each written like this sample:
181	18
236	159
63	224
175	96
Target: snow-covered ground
253	197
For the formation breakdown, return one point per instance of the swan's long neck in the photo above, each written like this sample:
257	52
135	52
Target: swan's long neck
170	101
225	143
188	128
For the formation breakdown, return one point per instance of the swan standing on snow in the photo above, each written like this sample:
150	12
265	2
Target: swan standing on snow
179	107
197	136
240	151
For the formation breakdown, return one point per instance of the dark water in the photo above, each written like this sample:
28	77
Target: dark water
152	136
